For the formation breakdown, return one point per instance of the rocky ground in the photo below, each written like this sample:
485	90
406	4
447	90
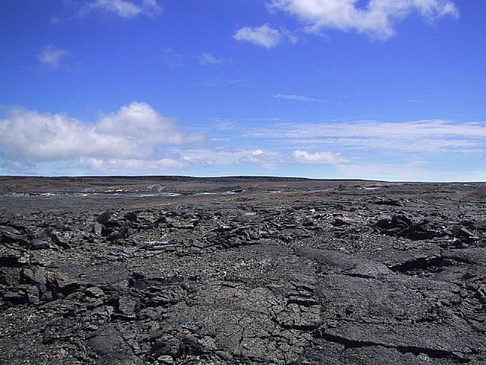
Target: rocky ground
241	271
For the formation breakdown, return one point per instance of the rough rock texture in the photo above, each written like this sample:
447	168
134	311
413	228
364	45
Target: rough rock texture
242	272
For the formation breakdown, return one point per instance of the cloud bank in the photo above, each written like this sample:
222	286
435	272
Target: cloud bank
133	136
136	139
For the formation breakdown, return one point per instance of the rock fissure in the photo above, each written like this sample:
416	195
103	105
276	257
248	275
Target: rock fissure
433	353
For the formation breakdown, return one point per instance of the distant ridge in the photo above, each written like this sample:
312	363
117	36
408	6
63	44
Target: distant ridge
177	184
179	178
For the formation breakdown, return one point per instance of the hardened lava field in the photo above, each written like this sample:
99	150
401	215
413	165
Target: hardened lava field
174	270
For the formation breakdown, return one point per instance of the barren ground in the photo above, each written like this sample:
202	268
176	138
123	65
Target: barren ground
174	270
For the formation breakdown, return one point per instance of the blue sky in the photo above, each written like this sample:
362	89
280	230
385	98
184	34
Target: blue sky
380	89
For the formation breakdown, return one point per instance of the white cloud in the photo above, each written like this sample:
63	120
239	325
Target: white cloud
225	156
377	19
140	124
318	158
124	8
299	98
134	165
135	133
265	158
206	59
263	36
415	136
51	56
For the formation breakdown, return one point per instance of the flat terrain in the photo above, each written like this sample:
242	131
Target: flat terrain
175	270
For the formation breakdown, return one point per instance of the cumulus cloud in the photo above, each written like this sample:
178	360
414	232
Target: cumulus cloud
265	158
318	158
140	124
264	36
299	98
207	59
52	56
134	133
376	19
123	8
